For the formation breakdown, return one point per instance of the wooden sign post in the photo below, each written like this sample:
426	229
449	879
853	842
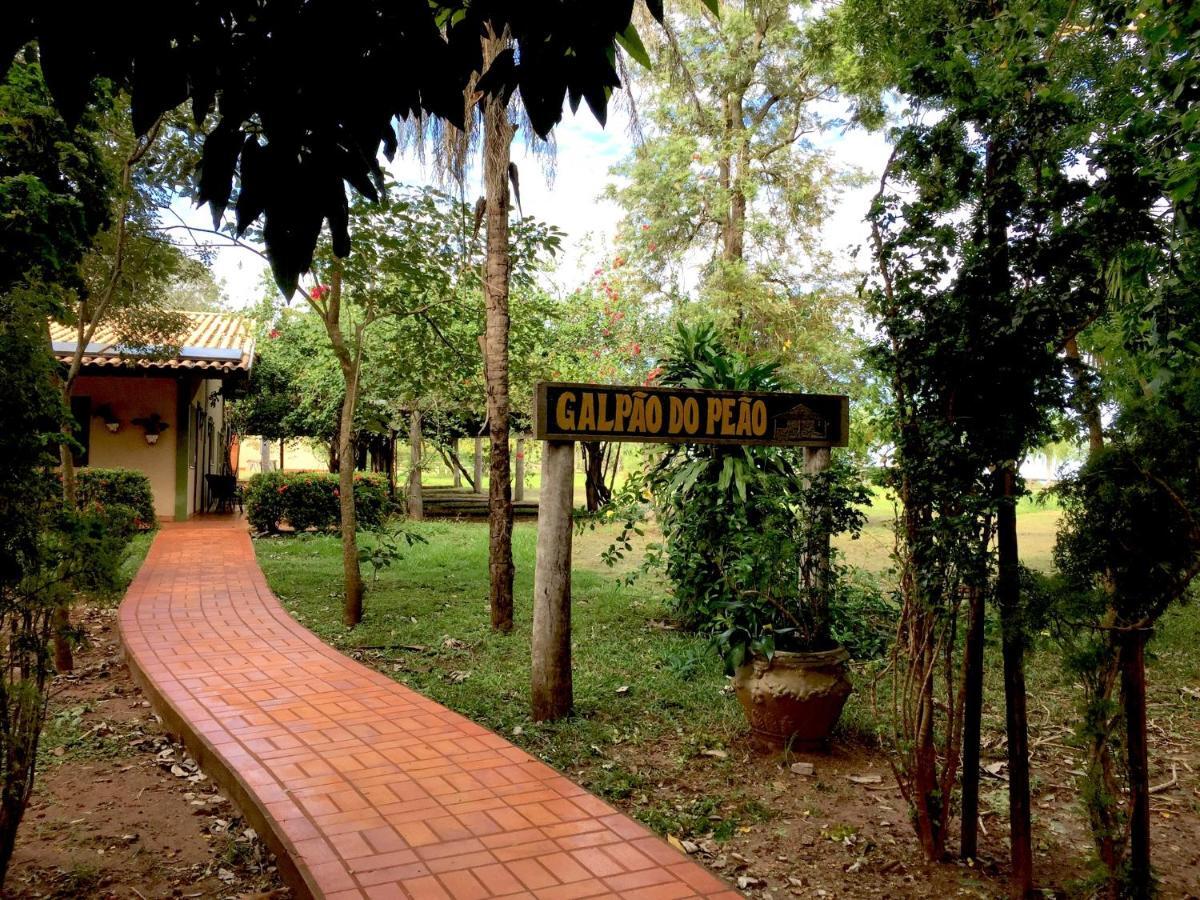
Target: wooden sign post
567	412
552	689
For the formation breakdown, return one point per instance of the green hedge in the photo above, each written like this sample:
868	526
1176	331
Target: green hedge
105	488
307	500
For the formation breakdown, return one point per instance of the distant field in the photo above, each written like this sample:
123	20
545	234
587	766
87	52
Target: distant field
1037	522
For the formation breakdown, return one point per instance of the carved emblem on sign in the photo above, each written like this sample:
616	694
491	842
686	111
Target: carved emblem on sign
800	423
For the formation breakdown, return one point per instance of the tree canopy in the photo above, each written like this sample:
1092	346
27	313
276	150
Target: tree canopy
53	185
305	93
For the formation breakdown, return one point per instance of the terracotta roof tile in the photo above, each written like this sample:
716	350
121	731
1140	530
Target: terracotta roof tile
216	342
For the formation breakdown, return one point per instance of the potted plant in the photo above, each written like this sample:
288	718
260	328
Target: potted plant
746	545
153	426
782	584
105	413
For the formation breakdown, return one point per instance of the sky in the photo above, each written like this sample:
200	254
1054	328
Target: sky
571	199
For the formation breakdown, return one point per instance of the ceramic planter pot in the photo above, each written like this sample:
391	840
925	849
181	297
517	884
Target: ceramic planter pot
795	699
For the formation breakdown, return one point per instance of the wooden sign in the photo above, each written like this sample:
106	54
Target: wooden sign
601	412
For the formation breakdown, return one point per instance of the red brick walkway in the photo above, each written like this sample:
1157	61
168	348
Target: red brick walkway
362	787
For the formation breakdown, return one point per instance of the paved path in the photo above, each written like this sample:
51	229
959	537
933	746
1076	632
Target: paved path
362	787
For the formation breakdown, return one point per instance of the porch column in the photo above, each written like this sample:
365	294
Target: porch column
183	436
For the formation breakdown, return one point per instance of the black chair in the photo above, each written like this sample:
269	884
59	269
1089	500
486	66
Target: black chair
223	493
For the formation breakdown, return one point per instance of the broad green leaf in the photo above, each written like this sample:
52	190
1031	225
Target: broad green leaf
737	656
632	44
766	646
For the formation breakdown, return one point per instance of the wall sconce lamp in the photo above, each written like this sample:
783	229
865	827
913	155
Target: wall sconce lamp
153	426
111	422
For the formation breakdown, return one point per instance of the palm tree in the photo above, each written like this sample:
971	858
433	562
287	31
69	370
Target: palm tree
498	133
490	117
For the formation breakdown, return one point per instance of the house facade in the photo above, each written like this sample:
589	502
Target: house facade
163	413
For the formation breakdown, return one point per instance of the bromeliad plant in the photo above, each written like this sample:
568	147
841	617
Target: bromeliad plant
746	530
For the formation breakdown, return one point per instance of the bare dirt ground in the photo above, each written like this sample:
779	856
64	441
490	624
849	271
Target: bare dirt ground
119	811
842	831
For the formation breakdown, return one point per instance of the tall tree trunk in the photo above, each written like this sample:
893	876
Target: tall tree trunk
596	490
519	477
1103	800
998	172
352	605
731	169
264	456
1133	696
735	246
930	805
454	469
350	363
497	140
1012	637
725	175
89	314
477	469
1103	804
392	463
416	508
972	725
64	659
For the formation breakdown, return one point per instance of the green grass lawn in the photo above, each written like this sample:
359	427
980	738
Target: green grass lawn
135	555
634	680
436	599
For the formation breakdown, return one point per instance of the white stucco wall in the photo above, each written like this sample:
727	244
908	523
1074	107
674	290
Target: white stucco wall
132	398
